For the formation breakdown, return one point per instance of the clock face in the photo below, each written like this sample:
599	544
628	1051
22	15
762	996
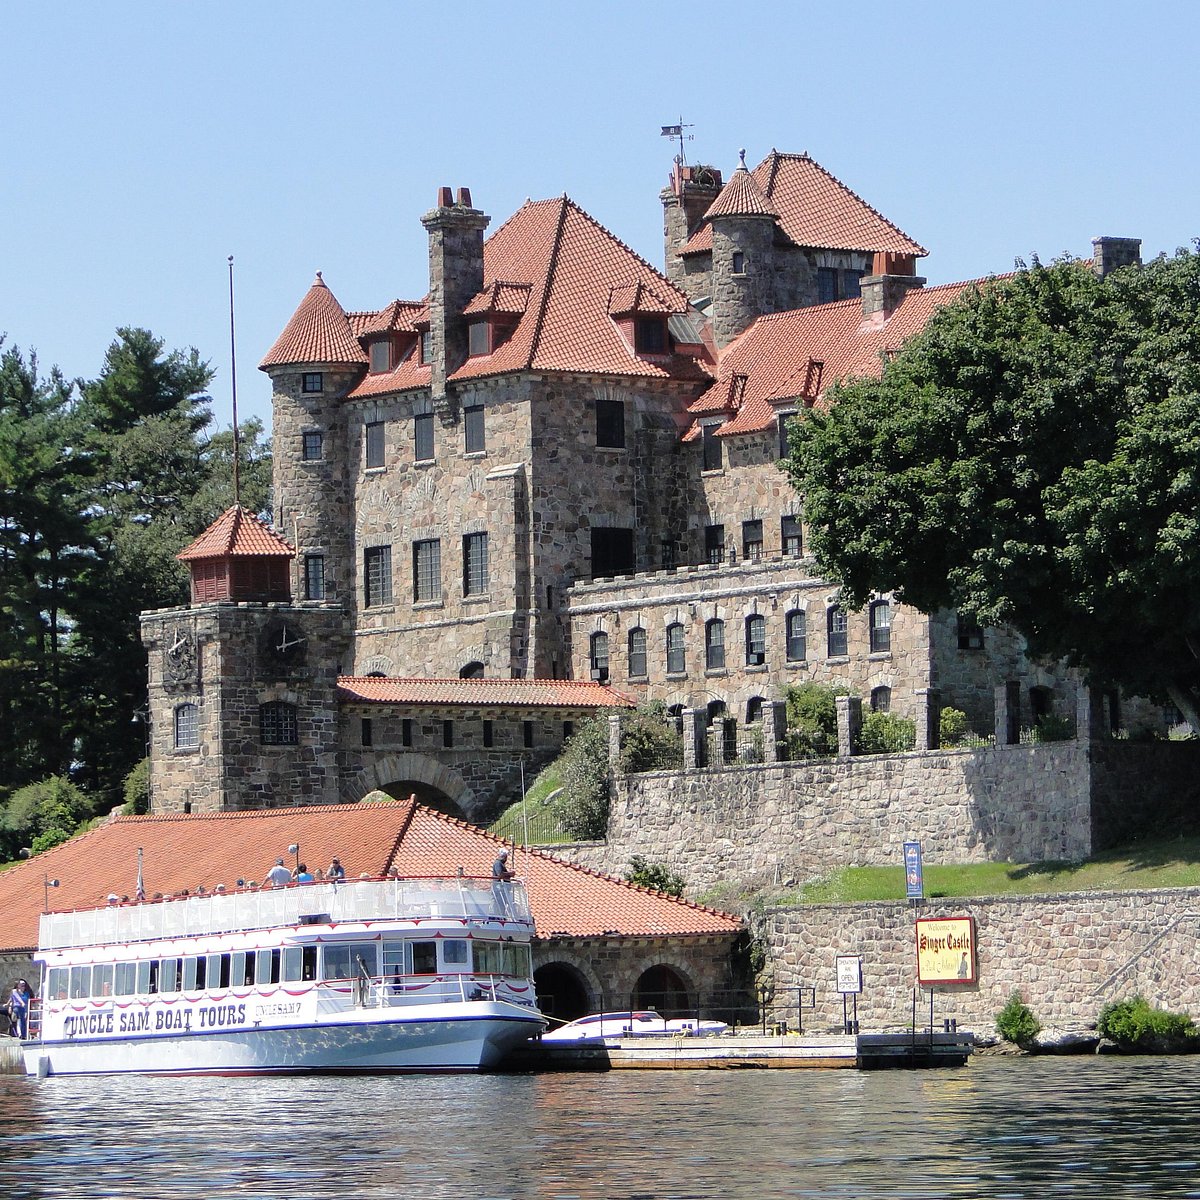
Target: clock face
179	656
283	643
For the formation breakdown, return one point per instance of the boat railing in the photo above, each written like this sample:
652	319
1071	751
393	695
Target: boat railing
462	897
399	990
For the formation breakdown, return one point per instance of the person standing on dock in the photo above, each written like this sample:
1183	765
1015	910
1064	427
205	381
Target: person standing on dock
18	1010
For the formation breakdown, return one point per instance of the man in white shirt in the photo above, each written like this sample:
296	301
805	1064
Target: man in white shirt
279	875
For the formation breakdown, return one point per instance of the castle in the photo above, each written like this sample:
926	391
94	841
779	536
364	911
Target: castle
550	488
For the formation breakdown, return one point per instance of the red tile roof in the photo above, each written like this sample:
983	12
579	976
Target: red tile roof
401	316
210	848
816	209
507	693
500	297
319	332
237	533
741	197
797	355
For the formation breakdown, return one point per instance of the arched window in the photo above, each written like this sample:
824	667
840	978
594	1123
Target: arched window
473	670
676	663
754	709
881	627
797	636
599	657
715	711
881	699
756	640
637	653
714	645
836	629
187	727
675	712
277	724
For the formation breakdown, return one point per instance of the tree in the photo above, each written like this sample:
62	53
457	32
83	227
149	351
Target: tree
1032	458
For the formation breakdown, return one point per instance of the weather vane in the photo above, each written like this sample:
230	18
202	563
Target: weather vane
676	131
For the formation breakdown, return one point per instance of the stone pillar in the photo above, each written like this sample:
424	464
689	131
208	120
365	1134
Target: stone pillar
929	719
849	719
774	724
1008	713
614	741
695	729
1089	714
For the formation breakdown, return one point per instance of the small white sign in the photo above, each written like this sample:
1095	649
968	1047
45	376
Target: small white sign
849	973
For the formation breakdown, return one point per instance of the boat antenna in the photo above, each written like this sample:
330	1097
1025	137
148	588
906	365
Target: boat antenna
237	453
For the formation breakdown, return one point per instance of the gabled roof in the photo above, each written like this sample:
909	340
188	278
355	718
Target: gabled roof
318	333
401	316
481	693
815	209
237	533
796	355
499	297
184	852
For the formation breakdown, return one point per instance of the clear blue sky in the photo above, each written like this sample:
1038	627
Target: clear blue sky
148	141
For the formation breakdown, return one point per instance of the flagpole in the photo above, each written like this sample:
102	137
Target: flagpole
237	497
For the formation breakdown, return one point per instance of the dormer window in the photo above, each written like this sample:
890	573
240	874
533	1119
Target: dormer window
479	339
650	335
380	355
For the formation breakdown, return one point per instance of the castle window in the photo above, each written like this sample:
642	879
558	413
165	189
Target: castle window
797	636
881	699
475	564
478	339
754	709
373	434
367	732
488	735
637	653
427	570
377	576
714	544
612	552
881	627
650	335
711	452
187	727
827	284
568	729
676	663
448	734
312	381
837	632
527	734
756	640
970	633
739	263
406	733
610	423
473	434
752	540
852	284
426	347
714	645
423	437
599	657
792	537
277	724
312	445
380	356
314	577
473	670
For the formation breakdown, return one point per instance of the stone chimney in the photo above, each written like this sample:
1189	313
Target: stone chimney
455	276
685	200
1109	253
885	288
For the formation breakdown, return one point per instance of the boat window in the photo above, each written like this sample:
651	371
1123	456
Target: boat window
454	952
517	960
143	978
310	964
241	970
489	958
351	961
266	968
126	974
189	974
102	977
81	982
56	983
168	975
424	958
293	963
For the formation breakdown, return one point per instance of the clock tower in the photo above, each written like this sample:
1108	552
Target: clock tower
243	680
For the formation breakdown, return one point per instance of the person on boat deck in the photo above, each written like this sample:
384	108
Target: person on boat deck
303	875
336	870
279	875
18	1010
500	866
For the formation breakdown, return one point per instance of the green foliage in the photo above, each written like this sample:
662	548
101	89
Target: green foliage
49	838
1054	728
582	806
953	726
812	719
1133	1026
137	789
1016	1022
886	733
42	814
654	875
649	740
1030	459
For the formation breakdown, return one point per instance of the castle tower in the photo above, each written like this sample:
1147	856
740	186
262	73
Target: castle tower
743	224
242	681
685	200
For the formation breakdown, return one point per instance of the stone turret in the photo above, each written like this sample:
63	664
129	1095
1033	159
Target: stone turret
685	200
455	276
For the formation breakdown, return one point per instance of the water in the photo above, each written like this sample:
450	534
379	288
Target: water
1089	1127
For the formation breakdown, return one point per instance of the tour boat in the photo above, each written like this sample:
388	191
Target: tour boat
385	975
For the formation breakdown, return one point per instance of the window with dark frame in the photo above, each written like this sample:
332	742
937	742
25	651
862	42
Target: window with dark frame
756	640
970	633
426	347
714	645
478	339
711	453
837	630
312	381
374	449
377	576
598	656
427	570
314	577
475	564
277	724
610	423
676	661
612	551
380	356
187	727
752	540
527	734
312	445
367	732
474	441
881	627
739	263
448	734
714	544
406	733
488	735
423	437
797	635
791	537
852	284
637	653
827	284
650	335
881	699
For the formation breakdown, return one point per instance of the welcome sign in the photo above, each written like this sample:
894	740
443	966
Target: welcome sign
946	950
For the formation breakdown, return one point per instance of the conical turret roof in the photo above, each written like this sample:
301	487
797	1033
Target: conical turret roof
741	197
319	332
237	533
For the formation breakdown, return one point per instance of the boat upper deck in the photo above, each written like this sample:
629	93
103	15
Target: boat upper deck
464	898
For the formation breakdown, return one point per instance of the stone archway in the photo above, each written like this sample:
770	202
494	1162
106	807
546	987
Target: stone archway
562	992
662	988
403	775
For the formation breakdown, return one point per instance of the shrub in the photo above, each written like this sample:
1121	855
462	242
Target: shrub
812	719
654	875
1016	1022
649	740
1133	1026
953	726
39	808
137	789
886	733
1053	728
581	808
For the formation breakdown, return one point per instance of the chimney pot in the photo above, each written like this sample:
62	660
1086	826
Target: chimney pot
444	197
464	197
